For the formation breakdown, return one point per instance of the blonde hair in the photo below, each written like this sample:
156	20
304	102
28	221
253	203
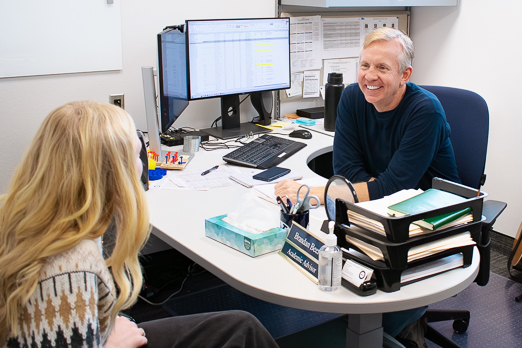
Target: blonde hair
78	175
388	34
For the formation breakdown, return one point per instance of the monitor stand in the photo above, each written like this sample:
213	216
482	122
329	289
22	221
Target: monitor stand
230	120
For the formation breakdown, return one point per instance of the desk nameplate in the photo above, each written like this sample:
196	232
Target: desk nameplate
301	249
305	264
305	240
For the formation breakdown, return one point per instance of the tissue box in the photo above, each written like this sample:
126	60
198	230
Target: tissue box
246	242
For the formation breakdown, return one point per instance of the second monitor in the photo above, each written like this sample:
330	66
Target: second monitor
230	57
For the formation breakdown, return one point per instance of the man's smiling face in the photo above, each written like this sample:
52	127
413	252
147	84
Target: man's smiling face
379	78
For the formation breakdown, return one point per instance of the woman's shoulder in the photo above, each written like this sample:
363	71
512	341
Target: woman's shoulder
86	256
73	297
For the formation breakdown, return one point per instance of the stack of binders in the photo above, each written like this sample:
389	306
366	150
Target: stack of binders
395	255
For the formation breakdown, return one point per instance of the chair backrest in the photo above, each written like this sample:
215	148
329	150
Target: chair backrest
468	116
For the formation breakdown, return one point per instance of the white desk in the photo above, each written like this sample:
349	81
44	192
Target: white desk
319	128
178	217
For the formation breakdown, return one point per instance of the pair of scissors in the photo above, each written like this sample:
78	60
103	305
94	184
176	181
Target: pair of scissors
304	203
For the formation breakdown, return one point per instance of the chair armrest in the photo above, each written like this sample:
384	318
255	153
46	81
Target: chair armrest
491	211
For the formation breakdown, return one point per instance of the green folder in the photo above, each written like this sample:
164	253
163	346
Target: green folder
429	200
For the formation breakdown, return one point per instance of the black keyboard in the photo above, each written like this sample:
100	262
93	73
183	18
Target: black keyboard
264	152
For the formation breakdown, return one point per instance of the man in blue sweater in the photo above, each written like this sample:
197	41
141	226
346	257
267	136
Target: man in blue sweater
390	135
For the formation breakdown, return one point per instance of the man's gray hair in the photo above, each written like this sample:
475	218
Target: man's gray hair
388	34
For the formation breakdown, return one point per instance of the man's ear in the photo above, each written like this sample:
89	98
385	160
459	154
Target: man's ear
406	75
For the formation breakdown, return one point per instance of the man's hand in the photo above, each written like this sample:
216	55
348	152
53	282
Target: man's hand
126	334
362	191
289	188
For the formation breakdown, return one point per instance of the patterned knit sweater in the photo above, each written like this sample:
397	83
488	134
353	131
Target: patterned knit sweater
71	304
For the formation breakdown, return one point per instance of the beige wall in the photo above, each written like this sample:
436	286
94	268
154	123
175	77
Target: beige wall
476	46
25	101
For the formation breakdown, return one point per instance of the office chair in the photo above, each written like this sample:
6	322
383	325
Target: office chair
468	116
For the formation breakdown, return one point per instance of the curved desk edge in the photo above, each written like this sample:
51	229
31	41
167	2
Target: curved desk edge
419	294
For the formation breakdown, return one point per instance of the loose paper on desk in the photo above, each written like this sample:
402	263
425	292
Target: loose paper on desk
267	192
192	179
281	127
253	215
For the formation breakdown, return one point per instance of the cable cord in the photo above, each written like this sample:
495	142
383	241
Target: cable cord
227	144
175	131
191	269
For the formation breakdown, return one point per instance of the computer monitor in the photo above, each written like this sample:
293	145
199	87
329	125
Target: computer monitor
229	57
173	79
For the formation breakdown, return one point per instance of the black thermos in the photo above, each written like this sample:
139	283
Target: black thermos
332	94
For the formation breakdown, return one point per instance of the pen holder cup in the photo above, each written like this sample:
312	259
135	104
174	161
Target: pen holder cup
302	219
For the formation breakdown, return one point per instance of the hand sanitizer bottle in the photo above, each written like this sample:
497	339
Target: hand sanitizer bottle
330	262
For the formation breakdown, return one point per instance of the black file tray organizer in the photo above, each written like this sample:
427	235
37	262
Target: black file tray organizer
397	228
396	254
396	243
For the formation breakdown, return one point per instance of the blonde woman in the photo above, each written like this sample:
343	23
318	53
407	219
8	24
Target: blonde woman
81	174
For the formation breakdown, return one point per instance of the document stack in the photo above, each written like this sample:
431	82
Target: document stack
398	250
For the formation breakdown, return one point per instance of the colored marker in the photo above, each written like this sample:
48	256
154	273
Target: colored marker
289	203
282	205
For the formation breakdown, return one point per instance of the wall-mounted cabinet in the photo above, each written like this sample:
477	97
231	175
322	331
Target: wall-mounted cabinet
368	3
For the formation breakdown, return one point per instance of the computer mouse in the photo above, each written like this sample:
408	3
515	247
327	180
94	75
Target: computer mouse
301	133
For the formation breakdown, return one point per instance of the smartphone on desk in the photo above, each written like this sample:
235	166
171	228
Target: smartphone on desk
271	174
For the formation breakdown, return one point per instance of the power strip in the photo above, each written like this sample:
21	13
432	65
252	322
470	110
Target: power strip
171	140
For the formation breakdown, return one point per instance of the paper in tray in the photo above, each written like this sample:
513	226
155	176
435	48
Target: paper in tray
396	254
389	280
397	229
